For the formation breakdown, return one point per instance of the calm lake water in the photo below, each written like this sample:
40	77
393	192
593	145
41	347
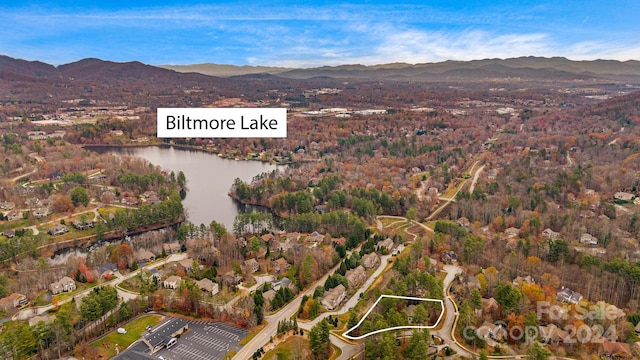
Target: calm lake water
209	179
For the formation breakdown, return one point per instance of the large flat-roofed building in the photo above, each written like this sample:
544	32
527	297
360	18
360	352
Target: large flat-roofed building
158	338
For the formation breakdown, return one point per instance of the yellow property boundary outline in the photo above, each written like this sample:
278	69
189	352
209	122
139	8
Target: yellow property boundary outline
346	334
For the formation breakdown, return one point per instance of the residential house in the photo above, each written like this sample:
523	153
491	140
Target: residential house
588	239
449	257
512	232
616	350
58	229
550	234
490	331
155	274
567	295
186	265
552	334
292	236
41	212
231	278
7	205
33	202
356	277
387	244
129	201
333	297
171	248
281	283
339	241
315	237
489	305
208	286
82	224
149	194
13	301
251	265
370	260
9	233
623	196
144	256
108	270
14	215
268	297
464	222
267	238
63	285
523	280
280	265
172	282
107	196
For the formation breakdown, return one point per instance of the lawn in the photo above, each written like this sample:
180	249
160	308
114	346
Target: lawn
134	329
287	348
131	284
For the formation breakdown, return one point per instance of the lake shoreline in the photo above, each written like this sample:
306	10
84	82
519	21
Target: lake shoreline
209	177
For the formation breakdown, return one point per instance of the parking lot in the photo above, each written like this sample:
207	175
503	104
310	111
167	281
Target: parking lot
204	341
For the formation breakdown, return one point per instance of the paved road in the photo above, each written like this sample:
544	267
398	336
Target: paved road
475	179
445	332
272	320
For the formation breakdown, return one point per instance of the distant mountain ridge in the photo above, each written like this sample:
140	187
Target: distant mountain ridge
536	68
90	69
526	67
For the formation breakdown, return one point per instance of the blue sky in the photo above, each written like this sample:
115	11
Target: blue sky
317	33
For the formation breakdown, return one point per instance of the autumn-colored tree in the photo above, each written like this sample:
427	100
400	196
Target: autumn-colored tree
122	256
515	328
84	270
62	203
158	304
533	262
533	292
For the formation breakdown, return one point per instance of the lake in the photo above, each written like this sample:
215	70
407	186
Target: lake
209	179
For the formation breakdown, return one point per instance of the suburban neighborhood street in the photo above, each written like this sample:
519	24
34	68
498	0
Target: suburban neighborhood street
29	312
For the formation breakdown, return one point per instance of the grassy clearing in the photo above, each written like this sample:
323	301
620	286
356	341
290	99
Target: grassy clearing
387	221
286	349
134	329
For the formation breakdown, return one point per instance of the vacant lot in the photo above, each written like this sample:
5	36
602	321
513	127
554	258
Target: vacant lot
294	347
